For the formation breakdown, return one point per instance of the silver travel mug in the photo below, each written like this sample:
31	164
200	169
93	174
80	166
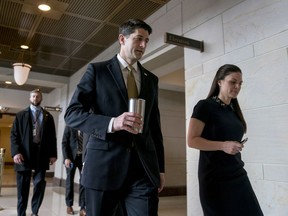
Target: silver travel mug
137	106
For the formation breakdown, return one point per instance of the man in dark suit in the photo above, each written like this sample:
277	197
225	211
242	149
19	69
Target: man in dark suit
33	147
122	167
72	149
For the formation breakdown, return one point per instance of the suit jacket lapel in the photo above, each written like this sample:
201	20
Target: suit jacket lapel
27	130
45	119
144	77
116	73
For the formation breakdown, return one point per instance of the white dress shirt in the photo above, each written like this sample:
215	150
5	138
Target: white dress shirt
123	65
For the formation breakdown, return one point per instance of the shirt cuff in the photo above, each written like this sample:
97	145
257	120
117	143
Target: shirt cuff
110	126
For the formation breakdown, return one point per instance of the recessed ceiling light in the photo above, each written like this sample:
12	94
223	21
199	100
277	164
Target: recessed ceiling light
44	7
8	82
24	46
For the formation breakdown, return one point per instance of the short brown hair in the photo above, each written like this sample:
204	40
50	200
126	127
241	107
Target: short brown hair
131	25
36	91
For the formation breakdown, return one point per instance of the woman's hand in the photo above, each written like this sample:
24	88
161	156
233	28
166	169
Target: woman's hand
232	147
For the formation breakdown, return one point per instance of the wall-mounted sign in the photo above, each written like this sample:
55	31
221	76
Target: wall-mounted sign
184	42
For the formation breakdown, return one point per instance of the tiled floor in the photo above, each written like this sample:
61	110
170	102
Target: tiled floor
54	200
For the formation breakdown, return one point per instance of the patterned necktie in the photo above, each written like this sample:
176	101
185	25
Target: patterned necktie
80	141
37	127
131	84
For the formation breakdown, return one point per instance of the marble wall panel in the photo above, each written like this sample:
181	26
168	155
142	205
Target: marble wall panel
254	170
268	137
254	38
192	155
197	89
272	197
195	71
272	43
234	57
276	172
211	33
265	80
193	199
252	21
196	12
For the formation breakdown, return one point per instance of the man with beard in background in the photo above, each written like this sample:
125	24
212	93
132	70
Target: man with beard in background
33	147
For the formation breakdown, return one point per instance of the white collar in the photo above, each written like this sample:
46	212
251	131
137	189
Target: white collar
124	64
34	108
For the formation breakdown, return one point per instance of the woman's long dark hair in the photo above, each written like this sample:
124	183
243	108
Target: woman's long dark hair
222	72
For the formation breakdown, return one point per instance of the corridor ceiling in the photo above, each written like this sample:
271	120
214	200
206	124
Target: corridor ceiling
64	39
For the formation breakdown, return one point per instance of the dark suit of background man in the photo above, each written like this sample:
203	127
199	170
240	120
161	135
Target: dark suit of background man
33	147
121	165
72	149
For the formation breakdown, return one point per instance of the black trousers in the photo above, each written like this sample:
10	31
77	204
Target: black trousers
138	196
23	186
69	195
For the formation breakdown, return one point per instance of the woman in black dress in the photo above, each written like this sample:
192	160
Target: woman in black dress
216	129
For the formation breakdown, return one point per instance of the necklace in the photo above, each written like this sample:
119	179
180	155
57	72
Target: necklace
219	101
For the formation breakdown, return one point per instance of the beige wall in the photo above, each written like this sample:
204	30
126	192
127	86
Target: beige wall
5	142
172	113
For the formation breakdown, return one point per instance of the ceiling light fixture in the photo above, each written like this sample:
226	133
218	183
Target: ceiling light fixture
25	47
21	70
8	82
44	7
